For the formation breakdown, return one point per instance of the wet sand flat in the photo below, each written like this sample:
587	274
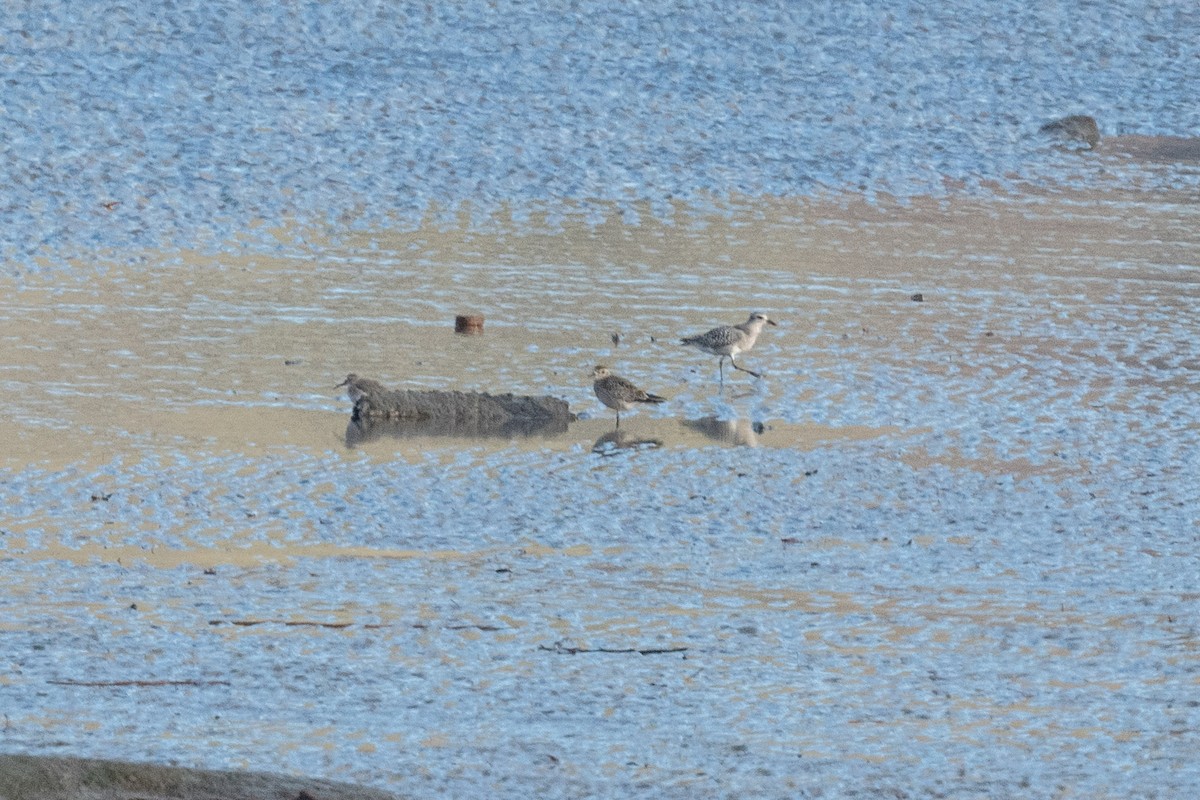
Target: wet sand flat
237	352
945	545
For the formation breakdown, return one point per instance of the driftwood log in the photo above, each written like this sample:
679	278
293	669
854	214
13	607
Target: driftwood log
458	406
374	401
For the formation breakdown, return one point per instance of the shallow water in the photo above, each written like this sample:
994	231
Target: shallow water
943	546
130	129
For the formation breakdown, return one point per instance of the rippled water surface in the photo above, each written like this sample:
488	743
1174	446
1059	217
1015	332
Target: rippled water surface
945	546
129	127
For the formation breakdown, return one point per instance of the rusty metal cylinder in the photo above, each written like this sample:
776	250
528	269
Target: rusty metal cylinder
468	323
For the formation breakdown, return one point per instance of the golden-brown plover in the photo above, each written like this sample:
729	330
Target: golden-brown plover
619	394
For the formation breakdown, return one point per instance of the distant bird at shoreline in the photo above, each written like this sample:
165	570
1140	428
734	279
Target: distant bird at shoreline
729	340
618	393
1073	129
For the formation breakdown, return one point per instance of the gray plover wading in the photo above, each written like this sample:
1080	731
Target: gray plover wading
729	340
357	387
619	394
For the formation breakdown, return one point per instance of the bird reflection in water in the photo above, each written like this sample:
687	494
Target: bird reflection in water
739	432
617	440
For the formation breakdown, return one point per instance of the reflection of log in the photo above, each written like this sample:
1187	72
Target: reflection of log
368	429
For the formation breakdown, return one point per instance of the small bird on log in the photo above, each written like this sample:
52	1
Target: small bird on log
357	387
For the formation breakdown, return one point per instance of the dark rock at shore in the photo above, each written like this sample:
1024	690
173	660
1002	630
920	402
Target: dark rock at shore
25	777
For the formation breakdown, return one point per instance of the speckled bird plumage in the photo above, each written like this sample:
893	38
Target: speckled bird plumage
618	393
729	340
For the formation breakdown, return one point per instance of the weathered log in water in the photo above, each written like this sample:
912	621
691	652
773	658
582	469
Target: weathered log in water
453	410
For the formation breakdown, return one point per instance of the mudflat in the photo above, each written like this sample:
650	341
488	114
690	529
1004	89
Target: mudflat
943	545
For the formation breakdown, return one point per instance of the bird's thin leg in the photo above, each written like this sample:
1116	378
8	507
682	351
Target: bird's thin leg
618	420
743	369
721	370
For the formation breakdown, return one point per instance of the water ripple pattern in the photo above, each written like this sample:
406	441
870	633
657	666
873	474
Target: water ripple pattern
454	624
134	126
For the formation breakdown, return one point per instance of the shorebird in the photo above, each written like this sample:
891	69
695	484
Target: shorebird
618	393
729	340
1075	128
357	387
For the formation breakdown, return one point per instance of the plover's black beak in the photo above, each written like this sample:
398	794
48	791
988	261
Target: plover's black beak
772	322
